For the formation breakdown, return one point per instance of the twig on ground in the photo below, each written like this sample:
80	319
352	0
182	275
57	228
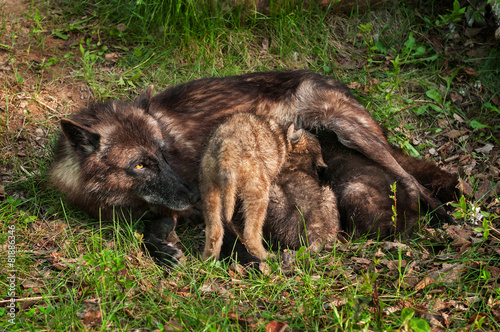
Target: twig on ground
26	299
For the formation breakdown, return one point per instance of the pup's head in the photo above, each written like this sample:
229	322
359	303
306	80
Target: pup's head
121	157
305	153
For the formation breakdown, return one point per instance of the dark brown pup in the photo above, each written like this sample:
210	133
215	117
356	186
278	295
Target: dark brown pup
363	190
302	211
144	157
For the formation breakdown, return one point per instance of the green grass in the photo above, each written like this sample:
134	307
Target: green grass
73	273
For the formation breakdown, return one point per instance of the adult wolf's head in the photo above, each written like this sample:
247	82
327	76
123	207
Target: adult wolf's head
113	154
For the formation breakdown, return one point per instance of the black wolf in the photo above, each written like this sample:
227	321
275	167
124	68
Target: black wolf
144	157
111	161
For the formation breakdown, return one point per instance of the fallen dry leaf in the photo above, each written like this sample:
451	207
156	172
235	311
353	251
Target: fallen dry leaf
434	319
469	71
36	287
361	260
122	27
457	117
424	283
486	149
452	134
334	303
393	264
437	329
395	246
113	57
465	187
275	326
456	99
448	275
91	315
379	253
459	235
485	191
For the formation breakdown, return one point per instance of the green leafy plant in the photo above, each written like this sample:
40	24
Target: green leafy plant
108	266
394	207
455	15
411	323
38	29
18	76
411	52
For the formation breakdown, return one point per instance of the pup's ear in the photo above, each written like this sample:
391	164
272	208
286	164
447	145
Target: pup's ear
145	98
82	139
320	162
294	136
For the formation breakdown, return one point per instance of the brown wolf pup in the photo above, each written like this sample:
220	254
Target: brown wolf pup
363	190
302	211
142	157
244	155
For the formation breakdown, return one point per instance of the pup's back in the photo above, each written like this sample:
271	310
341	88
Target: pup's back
243	156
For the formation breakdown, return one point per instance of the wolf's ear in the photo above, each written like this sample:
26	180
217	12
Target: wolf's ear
82	139
145	98
294	136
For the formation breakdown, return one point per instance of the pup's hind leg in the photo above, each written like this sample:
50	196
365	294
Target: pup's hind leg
214	229
254	210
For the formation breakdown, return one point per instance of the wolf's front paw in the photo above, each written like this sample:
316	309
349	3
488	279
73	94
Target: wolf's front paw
164	253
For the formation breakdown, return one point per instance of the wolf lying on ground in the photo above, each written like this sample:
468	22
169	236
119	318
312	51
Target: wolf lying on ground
142	158
243	157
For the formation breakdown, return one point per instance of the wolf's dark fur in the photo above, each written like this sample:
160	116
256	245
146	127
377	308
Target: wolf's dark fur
363	190
188	112
99	157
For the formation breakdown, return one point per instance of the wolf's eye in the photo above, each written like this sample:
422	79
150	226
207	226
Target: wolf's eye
139	166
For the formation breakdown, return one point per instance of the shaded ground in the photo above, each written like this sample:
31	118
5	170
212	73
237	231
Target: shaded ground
35	92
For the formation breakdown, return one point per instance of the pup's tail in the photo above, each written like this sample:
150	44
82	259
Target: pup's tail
229	192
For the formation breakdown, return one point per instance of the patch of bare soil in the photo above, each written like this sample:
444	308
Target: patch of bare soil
36	91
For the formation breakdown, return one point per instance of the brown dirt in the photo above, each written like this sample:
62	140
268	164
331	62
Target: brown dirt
33	96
